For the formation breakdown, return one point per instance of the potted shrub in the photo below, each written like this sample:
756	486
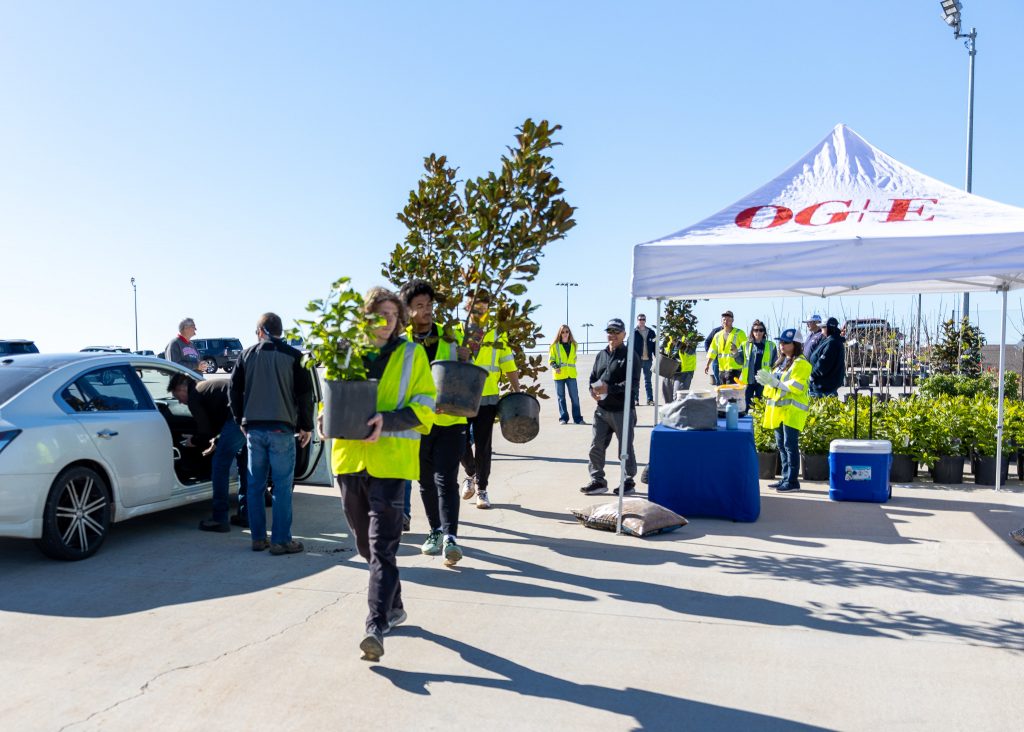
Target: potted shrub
338	335
768	464
825	422
945	442
984	415
904	424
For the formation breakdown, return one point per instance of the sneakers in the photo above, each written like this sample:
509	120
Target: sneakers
432	546
468	488
563	421
259	545
650	402
372	644
406	522
787	487
452	552
776	484
211	525
629	487
1018	535
292	547
396	617
593	488
482	500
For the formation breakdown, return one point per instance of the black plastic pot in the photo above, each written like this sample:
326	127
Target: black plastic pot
519	417
459	386
815	467
667	366
896	380
864	380
768	465
348	406
882	397
882	379
948	470
903	469
985	472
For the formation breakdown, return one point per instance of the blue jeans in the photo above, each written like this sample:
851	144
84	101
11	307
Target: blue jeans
408	498
788	441
714	372
271	451
646	367
574	397
229	445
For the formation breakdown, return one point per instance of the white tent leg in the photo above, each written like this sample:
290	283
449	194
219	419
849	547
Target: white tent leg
999	418
627	412
657	357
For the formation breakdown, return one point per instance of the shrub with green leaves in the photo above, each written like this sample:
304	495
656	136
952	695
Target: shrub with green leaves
826	421
904	423
764	438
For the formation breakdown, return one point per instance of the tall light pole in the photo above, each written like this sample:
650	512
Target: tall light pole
567	285
586	344
135	298
951	16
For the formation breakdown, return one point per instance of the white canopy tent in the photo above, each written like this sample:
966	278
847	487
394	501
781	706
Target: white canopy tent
846	218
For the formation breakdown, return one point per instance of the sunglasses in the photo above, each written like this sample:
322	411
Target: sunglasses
757	330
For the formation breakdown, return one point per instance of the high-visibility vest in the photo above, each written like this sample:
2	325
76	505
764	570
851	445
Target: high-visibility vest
445	352
406	382
566	365
495	357
767	359
789	407
687	361
721	346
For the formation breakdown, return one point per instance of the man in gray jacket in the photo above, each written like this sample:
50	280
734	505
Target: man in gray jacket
271	398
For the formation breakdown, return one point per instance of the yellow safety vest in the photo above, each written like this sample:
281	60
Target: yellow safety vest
721	346
687	361
789	407
406	382
566	366
445	352
496	357
767	359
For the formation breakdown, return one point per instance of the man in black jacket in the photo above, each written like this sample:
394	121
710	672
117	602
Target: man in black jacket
828	362
216	432
271	397
608	387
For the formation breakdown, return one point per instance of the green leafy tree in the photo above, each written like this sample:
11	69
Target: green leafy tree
680	324
959	349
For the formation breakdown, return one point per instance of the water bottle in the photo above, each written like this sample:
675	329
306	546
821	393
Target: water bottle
732	415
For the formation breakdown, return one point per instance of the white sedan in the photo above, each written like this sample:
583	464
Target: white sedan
87	440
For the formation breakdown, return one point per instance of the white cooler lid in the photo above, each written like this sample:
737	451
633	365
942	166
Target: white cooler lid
874	447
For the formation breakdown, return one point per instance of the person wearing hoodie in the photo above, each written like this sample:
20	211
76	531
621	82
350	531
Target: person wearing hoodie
828	362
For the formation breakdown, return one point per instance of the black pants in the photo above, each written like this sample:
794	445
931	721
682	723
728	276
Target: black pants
607	424
477	458
440	452
373	508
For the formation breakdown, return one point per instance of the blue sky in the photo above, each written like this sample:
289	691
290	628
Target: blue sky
237	157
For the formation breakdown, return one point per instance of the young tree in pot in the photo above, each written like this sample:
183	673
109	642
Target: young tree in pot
902	423
338	336
679	338
946	440
984	415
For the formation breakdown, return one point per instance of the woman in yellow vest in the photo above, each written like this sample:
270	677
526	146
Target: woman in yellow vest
786	399
372	472
758	353
562	358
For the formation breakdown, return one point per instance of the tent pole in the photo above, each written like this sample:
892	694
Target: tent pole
627	413
1002	374
657	357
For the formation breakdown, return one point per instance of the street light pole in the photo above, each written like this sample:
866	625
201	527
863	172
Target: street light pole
567	285
586	344
135	299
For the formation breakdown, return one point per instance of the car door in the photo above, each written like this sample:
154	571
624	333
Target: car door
312	463
127	430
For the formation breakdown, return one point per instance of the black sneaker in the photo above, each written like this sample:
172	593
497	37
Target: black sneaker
787	487
372	644
650	402
396	617
406	523
593	488
211	525
629	487
776	484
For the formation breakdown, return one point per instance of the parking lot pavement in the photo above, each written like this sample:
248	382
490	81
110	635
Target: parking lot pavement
820	615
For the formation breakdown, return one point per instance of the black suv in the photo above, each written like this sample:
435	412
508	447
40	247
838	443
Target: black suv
17	345
218	353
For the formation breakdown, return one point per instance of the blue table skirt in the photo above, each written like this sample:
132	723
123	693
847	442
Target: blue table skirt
706	473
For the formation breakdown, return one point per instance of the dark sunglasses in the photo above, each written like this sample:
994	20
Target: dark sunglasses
757	330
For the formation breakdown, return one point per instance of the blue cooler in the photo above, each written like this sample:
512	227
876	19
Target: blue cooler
859	470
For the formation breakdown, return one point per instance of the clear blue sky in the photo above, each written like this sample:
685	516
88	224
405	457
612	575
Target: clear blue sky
237	157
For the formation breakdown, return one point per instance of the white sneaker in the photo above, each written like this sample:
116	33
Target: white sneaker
482	501
468	488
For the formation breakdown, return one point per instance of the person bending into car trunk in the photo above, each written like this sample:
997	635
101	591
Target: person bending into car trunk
217	433
271	396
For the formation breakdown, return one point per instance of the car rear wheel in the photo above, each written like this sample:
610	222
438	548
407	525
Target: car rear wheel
76	518
211	365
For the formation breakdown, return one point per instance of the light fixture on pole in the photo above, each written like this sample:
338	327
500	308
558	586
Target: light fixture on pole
586	343
951	16
135	298
567	285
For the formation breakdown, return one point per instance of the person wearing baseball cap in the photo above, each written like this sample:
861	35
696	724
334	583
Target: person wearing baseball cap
727	351
828	362
786	401
608	388
814	334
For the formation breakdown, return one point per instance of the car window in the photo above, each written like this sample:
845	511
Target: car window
14	379
156	380
110	389
214	344
234	344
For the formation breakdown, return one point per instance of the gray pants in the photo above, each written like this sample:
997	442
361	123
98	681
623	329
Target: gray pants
669	385
606	424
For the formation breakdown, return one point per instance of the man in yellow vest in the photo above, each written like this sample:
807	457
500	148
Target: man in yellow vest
786	401
372	472
489	351
727	350
441	450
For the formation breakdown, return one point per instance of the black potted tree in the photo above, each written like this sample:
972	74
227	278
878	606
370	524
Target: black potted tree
983	410
903	423
338	336
679	329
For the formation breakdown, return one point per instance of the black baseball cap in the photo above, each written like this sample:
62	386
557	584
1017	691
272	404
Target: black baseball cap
615	325
832	323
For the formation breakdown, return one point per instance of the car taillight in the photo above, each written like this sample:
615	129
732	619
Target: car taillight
7	437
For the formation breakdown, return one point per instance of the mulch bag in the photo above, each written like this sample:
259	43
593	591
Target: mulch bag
696	411
640	517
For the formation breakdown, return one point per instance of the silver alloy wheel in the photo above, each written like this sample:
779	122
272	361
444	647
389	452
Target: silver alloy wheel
211	365
80	508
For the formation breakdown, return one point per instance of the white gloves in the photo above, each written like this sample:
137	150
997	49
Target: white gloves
767	378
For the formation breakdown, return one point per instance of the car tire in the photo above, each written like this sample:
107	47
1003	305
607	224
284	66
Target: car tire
227	369
211	365
76	518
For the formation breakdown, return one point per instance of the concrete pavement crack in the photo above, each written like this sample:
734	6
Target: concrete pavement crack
186	667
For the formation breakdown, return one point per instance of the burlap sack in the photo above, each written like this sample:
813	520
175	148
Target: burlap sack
640	517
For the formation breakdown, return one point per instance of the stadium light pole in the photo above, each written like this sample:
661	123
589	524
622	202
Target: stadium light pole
567	285
135	299
586	344
951	16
